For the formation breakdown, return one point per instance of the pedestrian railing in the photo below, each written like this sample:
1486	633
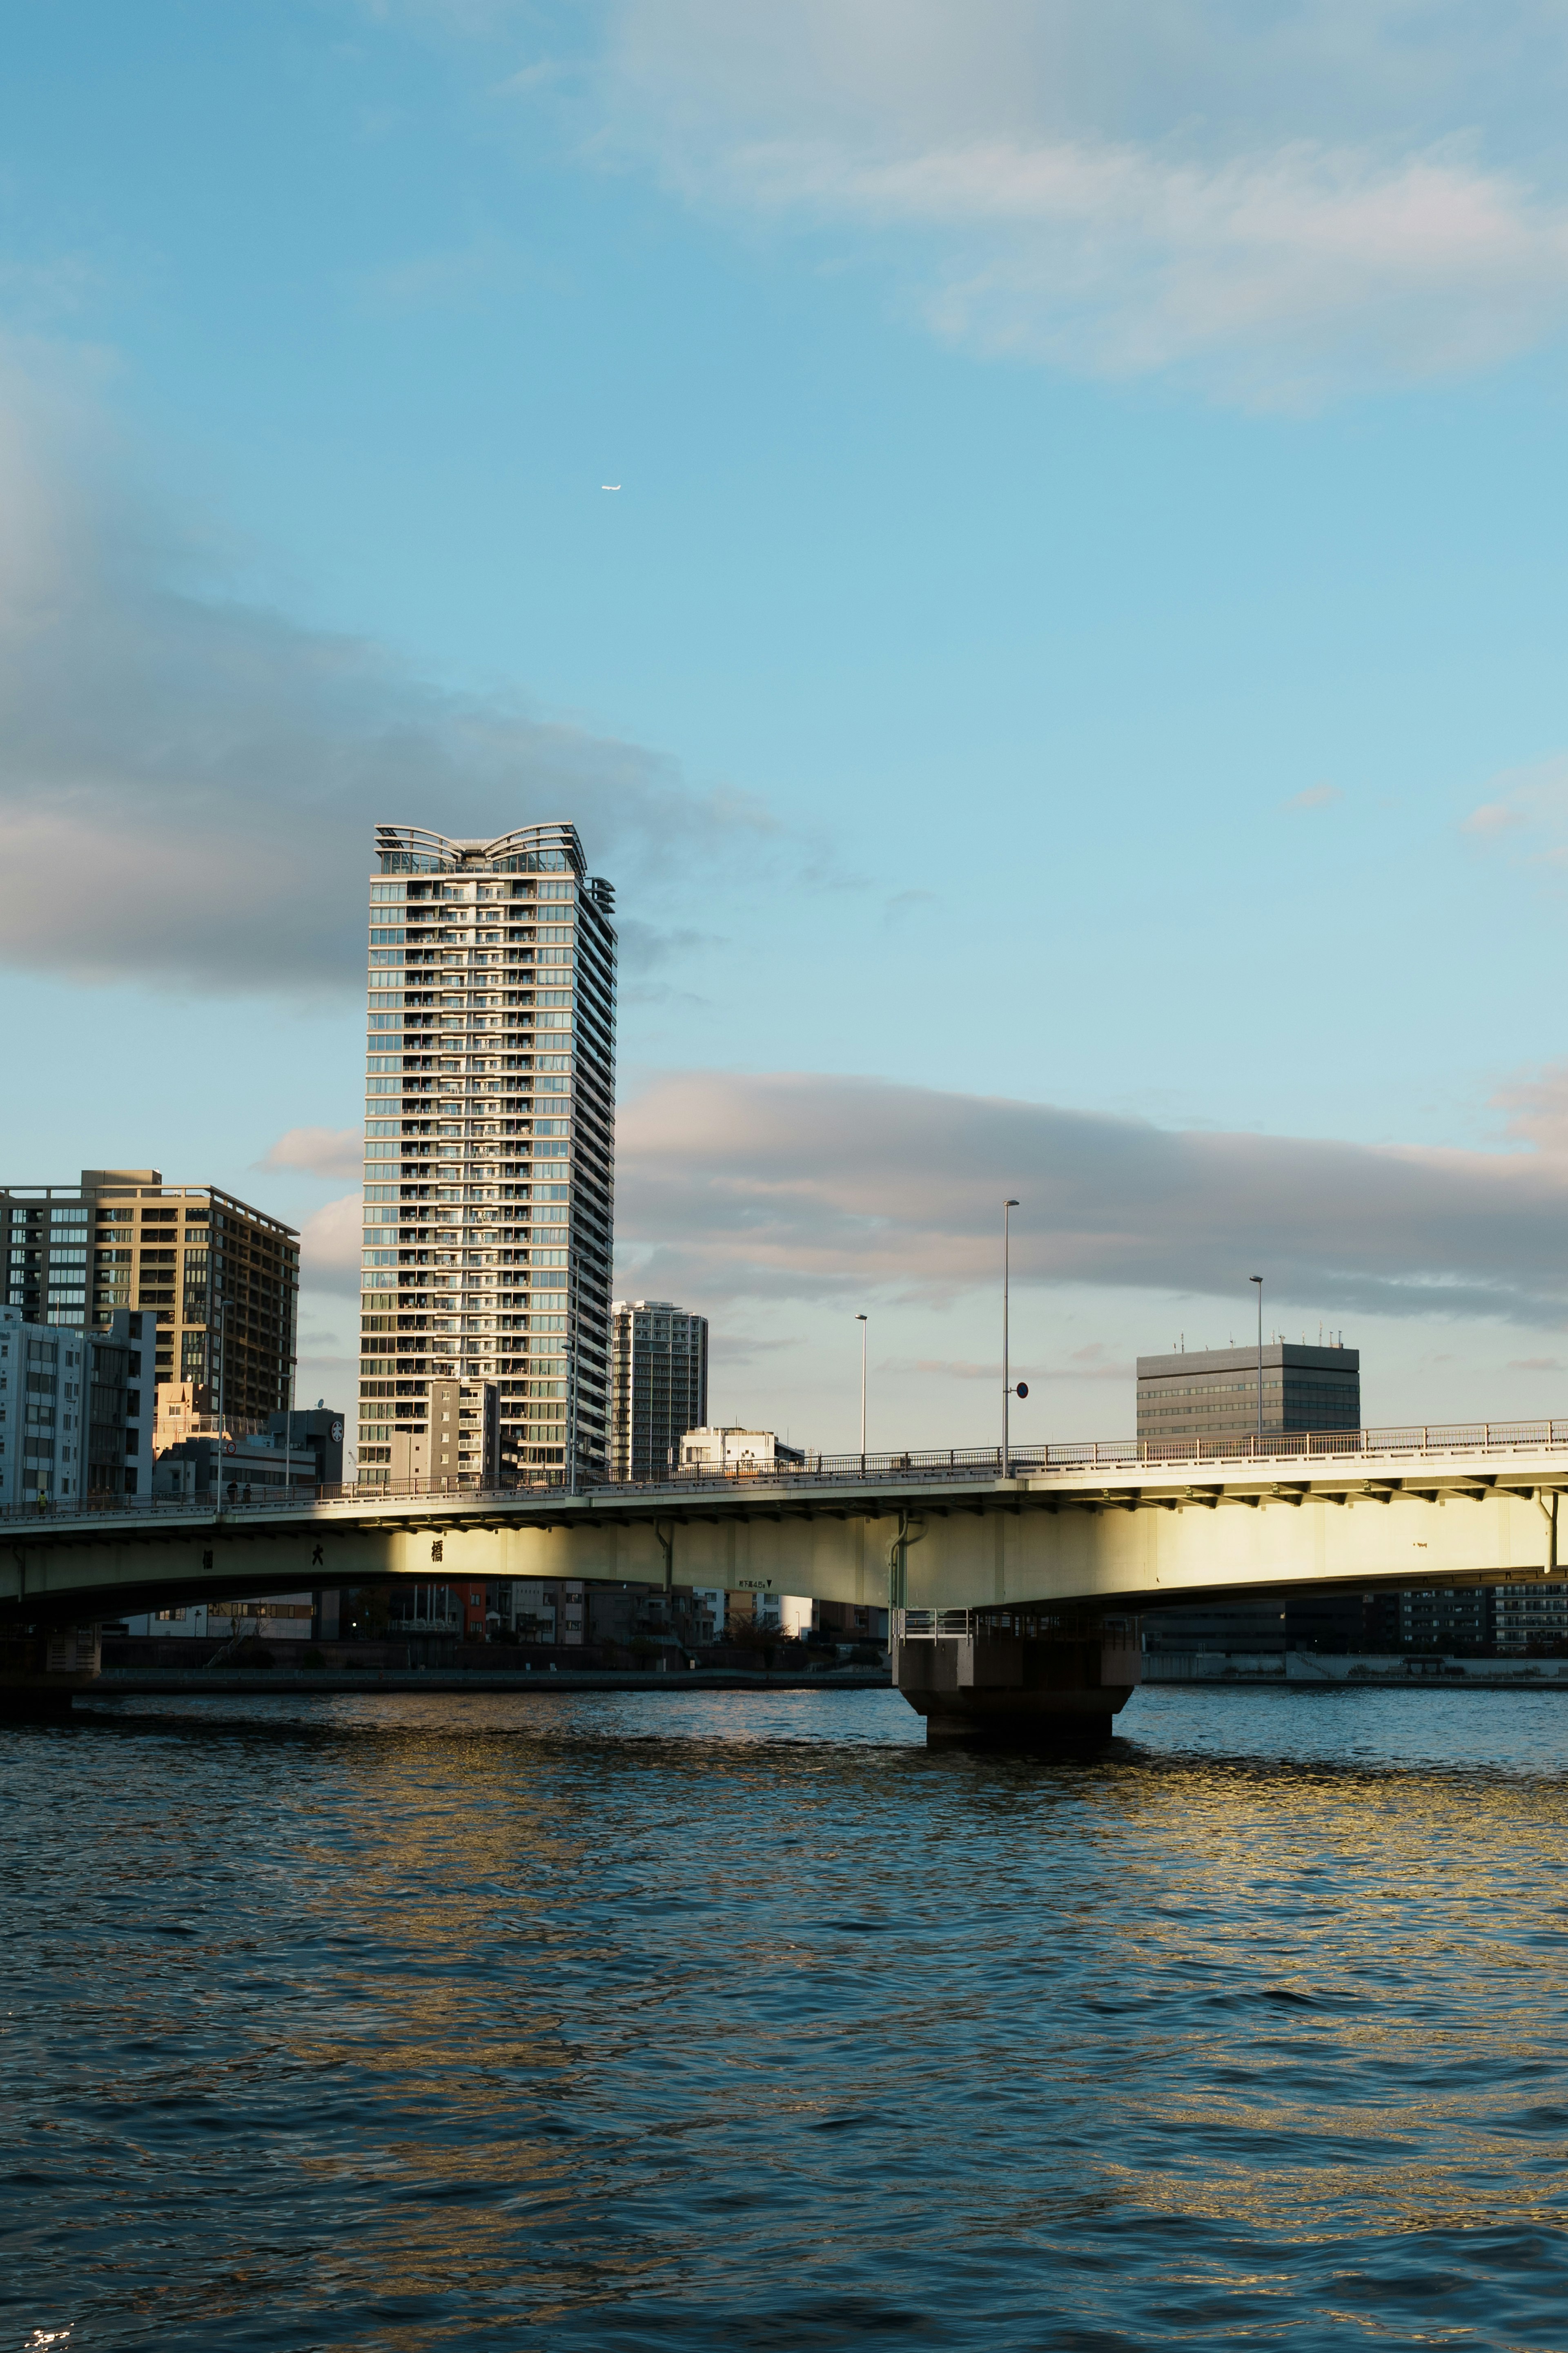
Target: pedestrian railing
1290	1451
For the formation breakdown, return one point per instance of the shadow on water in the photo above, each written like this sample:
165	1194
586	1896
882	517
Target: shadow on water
625	2021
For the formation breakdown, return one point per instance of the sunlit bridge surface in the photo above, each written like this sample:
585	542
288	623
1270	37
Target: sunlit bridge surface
1312	1455
624	2022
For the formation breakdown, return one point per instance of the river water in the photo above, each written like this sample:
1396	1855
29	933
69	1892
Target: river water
731	2022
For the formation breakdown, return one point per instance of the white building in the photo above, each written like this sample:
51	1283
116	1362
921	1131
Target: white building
75	1410
732	1451
546	1609
490	1155
792	1614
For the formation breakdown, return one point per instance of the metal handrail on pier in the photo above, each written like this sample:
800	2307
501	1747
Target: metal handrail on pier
1032	1625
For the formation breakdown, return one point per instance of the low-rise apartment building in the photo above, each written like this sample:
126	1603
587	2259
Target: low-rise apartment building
218	1468
75	1410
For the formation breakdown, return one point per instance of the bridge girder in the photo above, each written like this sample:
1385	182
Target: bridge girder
1130	1543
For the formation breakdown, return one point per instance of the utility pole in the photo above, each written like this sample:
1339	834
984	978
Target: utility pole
1007	1207
1257	1279
864	1329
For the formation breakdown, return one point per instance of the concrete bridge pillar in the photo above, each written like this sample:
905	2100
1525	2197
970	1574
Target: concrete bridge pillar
43	1668
1015	1679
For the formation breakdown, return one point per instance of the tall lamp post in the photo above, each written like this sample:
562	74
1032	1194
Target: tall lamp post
864	1328
1257	1279
1007	1207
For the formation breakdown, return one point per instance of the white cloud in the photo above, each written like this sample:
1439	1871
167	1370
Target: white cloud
808	1187
318	1151
188	783
1316	797
330	1241
1284	201
1537	1109
1492	818
1531	805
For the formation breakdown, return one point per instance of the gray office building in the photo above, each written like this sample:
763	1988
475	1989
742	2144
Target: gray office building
1213	1392
659	1385
76	1408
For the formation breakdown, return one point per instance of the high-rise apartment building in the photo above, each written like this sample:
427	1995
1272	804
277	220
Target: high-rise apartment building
659	1385
490	1158
217	1279
1213	1392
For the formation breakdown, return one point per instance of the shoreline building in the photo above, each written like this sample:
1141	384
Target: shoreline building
1213	1392
76	1409
217	1281
730	1450
659	1385
488	1158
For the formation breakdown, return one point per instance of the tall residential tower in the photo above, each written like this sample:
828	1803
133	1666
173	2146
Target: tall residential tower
489	1161
659	1385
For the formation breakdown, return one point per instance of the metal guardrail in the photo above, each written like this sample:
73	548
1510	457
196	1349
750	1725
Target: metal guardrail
1046	1625
1292	1448
1132	1453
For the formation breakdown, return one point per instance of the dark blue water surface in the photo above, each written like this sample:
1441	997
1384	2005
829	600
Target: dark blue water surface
727	2021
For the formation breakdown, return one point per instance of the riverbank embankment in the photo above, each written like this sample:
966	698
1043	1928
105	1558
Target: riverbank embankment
1296	1670
141	1682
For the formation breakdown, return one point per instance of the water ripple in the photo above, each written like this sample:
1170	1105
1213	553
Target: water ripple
627	2020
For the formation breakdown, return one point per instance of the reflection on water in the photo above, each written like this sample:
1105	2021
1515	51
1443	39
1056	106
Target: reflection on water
742	2021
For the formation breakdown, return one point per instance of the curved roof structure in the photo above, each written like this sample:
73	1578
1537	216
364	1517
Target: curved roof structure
552	847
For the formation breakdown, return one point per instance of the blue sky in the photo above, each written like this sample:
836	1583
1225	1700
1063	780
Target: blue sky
1080	624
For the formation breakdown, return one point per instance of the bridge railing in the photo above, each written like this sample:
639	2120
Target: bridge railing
1289	1448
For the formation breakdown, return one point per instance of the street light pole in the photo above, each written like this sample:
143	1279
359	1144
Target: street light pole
1007	1207
1257	1279
864	1329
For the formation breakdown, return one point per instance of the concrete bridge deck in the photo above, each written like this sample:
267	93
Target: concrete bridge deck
1124	1525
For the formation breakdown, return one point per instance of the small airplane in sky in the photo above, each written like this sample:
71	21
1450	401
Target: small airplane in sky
609	486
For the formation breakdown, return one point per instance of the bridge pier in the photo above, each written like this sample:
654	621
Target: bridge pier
1015	1679
43	1668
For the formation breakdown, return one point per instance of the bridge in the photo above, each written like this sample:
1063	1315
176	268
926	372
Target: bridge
1016	1584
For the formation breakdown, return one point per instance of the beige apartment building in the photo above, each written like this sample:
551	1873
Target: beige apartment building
218	1280
489	1161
